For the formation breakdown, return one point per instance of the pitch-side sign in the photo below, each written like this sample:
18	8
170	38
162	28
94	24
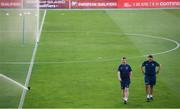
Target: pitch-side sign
149	4
94	4
32	4
109	4
91	4
54	4
10	3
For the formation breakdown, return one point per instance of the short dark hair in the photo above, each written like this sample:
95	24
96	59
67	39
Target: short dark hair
123	57
150	56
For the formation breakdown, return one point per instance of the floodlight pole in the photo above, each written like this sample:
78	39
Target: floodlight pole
37	34
23	26
23	22
22	3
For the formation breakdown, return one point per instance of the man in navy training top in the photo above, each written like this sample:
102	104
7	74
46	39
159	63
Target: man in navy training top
124	73
150	68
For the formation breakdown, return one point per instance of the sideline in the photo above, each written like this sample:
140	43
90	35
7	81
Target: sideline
21	103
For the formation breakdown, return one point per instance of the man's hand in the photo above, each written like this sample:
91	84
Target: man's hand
159	67
157	72
142	70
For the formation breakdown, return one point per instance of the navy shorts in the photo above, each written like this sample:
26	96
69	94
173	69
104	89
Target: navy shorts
125	84
150	80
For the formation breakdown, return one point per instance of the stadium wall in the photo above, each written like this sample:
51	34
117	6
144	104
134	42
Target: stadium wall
10	3
93	4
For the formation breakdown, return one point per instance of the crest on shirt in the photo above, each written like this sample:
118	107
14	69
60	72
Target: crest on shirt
126	68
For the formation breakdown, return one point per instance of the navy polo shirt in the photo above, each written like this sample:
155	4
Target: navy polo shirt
125	71
150	67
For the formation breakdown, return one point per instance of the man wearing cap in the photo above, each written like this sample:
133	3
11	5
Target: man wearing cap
124	73
150	68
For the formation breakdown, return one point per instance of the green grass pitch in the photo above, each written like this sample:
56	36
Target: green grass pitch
79	52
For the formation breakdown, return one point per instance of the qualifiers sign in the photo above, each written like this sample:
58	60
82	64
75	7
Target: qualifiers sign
94	3
148	3
54	4
75	4
10	3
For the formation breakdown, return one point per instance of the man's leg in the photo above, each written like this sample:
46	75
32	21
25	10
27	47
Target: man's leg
148	88
151	92
153	82
126	93
123	89
123	92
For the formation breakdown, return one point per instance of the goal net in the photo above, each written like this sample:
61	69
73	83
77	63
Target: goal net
19	33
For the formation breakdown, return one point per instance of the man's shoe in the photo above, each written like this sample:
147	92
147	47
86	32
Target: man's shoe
151	98
148	100
125	102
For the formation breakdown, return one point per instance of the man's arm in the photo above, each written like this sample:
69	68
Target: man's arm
130	74
158	66
158	69
142	69
119	75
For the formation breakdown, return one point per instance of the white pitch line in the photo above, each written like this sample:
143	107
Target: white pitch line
42	23
21	103
17	63
105	59
167	39
13	81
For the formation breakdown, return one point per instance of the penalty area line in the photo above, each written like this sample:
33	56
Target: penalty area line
13	81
